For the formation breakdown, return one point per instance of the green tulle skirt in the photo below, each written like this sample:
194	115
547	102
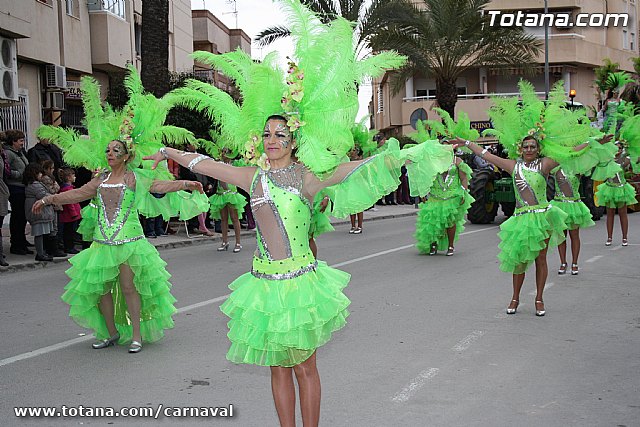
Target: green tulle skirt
523	236
218	201
283	322
435	216
616	197
94	273
578	214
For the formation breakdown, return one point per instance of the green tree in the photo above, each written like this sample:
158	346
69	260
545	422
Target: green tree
631	92
445	38
368	16
602	74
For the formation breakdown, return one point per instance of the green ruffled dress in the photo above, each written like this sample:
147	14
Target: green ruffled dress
616	192
320	222
535	220
290	303
226	197
118	238
446	206
567	198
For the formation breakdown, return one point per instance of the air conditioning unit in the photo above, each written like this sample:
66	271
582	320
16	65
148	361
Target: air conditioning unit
8	69
54	101
56	76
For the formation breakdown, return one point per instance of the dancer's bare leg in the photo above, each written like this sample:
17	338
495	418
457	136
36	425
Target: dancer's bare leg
236	223
224	226
313	247
310	391
133	299
451	235
575	245
542	271
518	280
611	215
562	249
624	221
360	219
106	308
284	395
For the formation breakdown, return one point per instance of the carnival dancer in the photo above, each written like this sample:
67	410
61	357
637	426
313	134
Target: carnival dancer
567	198
442	216
616	192
528	128
119	286
225	205
290	303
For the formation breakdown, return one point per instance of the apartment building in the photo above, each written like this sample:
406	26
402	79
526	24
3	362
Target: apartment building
48	45
573	53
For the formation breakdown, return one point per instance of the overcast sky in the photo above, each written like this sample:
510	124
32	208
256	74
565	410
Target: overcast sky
253	17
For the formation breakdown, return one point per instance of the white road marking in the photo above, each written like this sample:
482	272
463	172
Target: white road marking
68	343
466	342
594	259
617	248
416	384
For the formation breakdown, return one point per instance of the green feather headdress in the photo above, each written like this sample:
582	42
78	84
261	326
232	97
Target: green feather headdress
317	94
556	128
363	138
140	125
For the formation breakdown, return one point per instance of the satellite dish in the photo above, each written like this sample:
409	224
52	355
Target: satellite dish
419	114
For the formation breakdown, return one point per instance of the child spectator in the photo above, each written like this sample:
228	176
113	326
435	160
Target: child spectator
70	215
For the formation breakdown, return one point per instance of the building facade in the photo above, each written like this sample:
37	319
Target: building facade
48	45
574	53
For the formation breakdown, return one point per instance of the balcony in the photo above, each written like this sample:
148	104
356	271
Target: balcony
111	44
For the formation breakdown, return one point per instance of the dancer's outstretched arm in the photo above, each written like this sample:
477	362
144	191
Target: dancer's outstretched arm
504	164
199	163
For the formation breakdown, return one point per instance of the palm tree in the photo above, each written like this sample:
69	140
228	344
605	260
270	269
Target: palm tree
368	15
444	38
602	75
632	91
155	46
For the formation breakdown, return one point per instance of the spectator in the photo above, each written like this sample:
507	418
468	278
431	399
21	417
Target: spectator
51	184
41	223
17	160
70	215
5	172
45	150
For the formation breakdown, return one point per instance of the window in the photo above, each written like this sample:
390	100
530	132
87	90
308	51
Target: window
47	2
72	7
632	44
625	39
117	7
421	92
137	29
380	100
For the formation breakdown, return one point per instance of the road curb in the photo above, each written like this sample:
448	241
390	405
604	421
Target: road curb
197	241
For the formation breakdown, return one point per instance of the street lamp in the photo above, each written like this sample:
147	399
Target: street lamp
572	94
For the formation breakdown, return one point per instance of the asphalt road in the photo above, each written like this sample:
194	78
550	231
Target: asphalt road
428	342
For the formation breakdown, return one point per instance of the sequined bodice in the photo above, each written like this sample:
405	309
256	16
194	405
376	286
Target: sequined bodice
529	183
282	213
567	185
118	221
447	184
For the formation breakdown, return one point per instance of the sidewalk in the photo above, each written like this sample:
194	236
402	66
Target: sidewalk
180	239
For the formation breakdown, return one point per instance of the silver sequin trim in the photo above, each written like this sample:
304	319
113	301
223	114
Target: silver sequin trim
196	160
285	276
532	211
118	242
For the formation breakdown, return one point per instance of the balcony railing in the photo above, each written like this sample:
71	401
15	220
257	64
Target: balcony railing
117	7
467	96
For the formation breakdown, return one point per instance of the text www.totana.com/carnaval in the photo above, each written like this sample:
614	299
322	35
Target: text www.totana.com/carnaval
125	412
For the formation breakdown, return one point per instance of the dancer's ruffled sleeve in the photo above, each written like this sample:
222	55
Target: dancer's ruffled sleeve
368	180
465	169
583	161
181	203
88	222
